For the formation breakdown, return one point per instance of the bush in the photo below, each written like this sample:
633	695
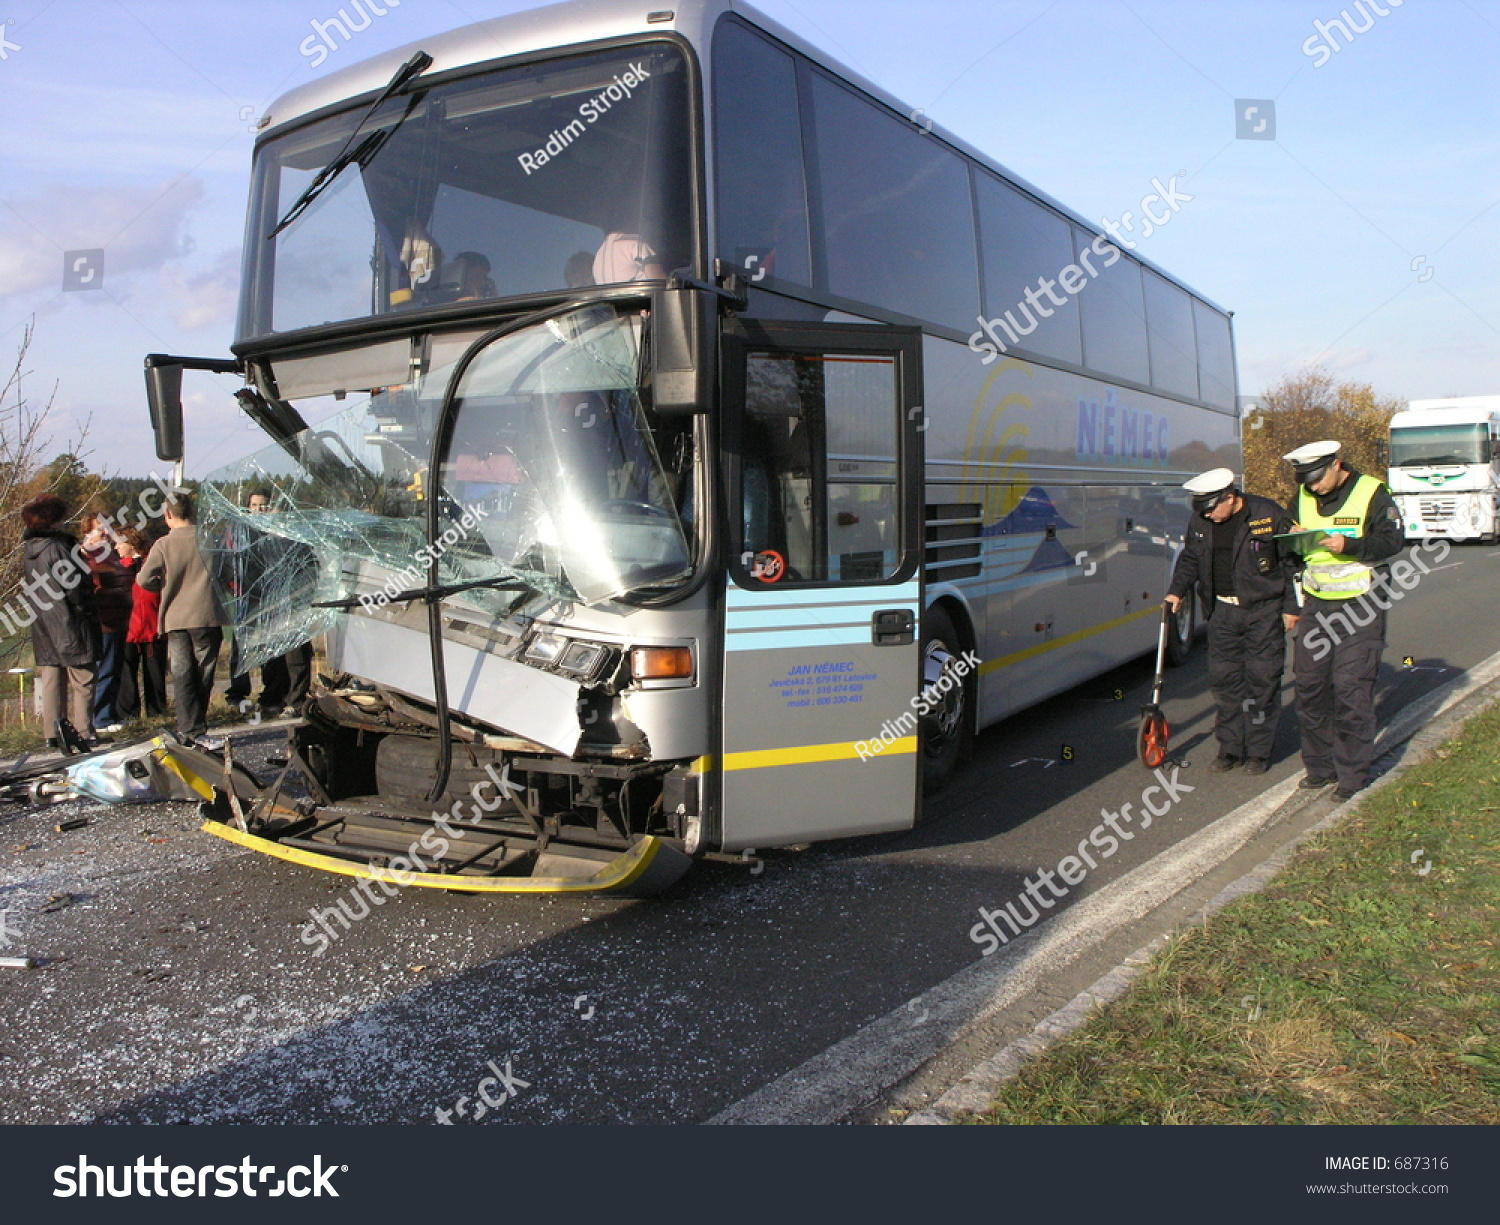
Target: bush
1309	407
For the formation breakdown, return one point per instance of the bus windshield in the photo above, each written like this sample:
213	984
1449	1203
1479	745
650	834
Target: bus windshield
1419	445
530	179
557	483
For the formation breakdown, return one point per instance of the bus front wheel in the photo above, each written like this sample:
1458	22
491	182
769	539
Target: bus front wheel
948	694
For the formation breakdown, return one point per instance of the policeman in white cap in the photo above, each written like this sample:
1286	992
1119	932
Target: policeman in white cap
1337	653
1245	585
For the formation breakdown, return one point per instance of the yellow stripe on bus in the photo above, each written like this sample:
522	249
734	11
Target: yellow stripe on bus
761	758
1042	648
801	755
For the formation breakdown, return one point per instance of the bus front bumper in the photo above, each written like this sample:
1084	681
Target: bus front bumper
647	867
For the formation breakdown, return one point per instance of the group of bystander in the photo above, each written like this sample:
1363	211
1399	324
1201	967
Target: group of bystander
120	612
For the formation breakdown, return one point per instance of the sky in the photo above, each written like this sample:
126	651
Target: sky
1352	220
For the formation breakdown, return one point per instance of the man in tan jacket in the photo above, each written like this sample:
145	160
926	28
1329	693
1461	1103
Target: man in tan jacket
191	619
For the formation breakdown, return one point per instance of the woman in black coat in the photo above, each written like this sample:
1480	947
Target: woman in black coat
59	595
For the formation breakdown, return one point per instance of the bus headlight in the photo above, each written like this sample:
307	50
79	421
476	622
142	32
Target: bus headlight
582	659
545	648
661	663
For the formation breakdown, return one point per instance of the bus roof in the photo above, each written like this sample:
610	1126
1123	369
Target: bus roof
585	21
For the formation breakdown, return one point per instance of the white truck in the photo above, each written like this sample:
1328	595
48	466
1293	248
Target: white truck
1444	468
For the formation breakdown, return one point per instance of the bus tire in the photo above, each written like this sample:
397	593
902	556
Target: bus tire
1182	627
945	730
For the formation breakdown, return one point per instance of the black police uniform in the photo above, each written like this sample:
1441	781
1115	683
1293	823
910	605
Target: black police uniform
1243	597
1337	649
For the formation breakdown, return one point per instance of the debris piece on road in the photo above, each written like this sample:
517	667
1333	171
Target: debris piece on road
17	963
74	823
58	901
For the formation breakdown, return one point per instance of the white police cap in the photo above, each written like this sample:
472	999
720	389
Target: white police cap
1215	480
1313	456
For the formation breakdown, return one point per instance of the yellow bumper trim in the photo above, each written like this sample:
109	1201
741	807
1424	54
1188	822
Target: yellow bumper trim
620	873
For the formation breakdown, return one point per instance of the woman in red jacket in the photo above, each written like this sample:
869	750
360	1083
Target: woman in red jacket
144	674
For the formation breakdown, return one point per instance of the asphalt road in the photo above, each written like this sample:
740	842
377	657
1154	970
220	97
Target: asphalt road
175	988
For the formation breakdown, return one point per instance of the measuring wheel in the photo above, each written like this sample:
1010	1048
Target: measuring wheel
1152	742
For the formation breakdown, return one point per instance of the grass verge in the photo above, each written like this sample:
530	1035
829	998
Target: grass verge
1362	986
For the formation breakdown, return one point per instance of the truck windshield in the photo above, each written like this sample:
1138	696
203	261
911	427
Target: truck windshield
530	179
1418	445
557	484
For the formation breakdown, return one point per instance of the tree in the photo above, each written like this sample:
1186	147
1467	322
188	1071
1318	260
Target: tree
1307	407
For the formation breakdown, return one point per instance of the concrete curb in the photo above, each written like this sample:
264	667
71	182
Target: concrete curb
1464	697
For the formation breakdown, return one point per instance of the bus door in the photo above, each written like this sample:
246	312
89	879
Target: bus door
822	633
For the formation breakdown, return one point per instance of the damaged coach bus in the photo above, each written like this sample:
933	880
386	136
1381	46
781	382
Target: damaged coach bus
632	444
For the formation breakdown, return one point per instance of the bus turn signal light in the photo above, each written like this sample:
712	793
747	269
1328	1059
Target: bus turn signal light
661	663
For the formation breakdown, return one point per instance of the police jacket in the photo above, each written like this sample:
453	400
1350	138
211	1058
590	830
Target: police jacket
1262	571
1383	535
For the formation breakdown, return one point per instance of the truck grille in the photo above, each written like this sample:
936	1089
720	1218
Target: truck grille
1437	510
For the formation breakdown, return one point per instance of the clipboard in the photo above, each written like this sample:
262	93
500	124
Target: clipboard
1301	543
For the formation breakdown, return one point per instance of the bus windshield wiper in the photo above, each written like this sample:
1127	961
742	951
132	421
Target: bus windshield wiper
366	149
438	593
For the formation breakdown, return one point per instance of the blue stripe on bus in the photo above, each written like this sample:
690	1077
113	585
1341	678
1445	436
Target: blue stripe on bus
739	597
809	618
766	640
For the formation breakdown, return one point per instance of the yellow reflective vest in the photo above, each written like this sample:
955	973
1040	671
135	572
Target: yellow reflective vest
1332	576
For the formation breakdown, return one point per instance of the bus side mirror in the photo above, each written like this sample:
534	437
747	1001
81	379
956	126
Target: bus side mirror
684	339
164	396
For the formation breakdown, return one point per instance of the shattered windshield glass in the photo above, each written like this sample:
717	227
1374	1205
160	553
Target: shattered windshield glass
557	483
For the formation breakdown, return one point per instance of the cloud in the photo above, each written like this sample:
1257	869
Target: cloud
207	298
139	228
1347	359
